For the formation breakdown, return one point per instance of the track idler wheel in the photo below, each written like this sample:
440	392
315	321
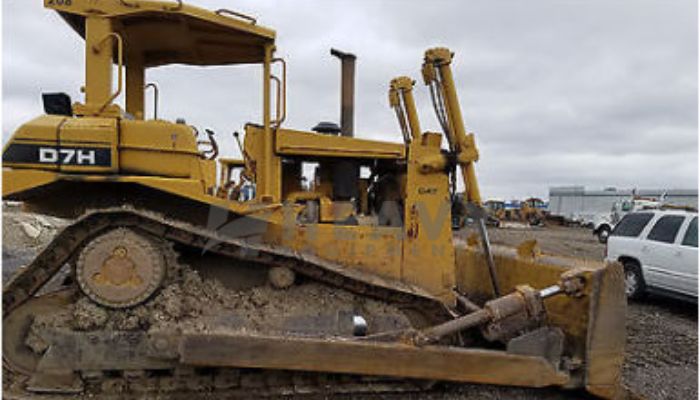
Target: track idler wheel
16	326
121	268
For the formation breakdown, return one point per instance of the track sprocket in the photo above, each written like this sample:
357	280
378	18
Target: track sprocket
120	268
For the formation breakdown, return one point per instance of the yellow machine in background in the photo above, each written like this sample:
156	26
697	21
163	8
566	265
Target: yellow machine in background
530	211
146	197
496	211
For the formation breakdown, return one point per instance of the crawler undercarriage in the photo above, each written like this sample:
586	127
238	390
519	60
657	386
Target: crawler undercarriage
326	329
64	341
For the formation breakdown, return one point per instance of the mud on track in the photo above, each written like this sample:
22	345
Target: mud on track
662	343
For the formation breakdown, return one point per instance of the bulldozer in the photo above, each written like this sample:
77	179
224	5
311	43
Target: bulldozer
496	211
529	211
184	272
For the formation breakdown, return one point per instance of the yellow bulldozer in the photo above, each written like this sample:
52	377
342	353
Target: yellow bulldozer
529	211
496	211
182	272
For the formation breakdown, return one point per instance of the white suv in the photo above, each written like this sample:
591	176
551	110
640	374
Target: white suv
659	250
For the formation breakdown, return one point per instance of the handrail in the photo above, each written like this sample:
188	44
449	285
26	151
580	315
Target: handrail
281	93
120	57
155	97
276	122
240	15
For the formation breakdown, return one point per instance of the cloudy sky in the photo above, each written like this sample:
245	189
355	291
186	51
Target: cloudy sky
559	92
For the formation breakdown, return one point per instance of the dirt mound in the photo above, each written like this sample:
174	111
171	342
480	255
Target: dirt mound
22	230
190	303
23	236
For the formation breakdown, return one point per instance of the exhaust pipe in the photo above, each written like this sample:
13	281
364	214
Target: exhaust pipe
347	93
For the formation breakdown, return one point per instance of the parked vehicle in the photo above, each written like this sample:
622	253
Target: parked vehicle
604	224
659	251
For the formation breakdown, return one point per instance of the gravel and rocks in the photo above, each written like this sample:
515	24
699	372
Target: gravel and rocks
24	235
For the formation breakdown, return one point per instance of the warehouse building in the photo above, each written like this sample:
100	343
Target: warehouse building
579	204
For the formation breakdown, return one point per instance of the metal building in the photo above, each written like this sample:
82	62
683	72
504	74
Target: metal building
579	204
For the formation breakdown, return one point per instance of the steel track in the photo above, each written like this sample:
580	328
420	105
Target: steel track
229	383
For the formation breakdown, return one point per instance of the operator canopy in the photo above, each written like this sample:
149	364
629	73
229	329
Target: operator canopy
164	33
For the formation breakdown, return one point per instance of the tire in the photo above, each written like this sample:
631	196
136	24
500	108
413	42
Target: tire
635	286
534	220
603	234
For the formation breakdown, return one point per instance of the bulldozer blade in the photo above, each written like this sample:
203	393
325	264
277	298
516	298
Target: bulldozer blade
606	334
594	322
369	358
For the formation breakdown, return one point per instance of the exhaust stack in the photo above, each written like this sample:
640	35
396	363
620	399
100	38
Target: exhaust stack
347	93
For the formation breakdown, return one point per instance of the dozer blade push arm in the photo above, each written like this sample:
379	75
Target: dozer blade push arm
401	100
514	311
437	74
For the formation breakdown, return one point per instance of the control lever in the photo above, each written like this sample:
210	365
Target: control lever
237	136
245	174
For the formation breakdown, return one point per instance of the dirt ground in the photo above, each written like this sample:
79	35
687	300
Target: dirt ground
662	343
572	242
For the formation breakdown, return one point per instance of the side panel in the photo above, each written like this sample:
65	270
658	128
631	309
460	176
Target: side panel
428	251
23	149
57	143
88	145
158	148
255	146
368	249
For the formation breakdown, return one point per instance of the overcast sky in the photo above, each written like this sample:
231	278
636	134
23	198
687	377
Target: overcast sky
596	93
